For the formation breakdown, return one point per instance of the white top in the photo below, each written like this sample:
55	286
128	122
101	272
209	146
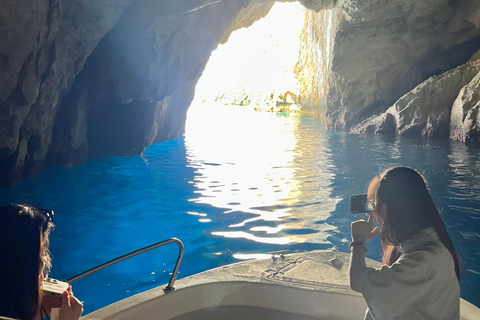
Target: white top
421	284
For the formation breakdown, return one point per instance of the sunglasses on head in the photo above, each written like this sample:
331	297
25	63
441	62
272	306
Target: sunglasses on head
48	214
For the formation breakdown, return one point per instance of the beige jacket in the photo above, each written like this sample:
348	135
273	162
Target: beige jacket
421	284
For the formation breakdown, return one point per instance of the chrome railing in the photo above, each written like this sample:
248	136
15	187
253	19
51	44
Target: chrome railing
168	288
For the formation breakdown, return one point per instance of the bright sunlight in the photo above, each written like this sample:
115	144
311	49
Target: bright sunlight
256	65
243	161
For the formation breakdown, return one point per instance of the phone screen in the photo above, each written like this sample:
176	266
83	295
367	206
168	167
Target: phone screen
360	204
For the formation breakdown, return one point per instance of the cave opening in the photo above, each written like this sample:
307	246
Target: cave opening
256	69
237	121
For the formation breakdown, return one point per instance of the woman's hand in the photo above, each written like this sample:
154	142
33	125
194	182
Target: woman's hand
71	308
362	230
50	301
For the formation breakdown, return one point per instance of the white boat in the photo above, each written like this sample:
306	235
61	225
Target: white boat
299	286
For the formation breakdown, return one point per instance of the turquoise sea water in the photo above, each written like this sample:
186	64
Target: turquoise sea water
238	185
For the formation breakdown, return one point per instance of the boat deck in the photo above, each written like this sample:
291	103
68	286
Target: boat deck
313	269
300	286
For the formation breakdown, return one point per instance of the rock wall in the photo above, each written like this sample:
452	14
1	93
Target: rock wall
43	45
84	79
144	58
138	82
383	49
315	60
442	101
465	115
426	111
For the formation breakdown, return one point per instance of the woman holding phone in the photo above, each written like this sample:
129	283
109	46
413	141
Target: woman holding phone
419	279
25	262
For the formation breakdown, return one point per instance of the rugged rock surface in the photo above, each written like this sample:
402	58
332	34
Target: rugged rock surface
137	84
465	117
383	49
315	61
425	111
96	78
43	45
134	90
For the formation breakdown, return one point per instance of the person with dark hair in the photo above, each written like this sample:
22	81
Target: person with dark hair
25	262
419	279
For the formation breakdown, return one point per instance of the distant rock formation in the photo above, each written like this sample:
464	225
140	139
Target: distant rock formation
84	79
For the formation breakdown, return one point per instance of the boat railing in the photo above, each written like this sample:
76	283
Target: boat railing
168	288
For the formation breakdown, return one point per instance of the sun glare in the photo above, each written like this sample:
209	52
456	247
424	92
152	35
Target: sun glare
244	162
256	61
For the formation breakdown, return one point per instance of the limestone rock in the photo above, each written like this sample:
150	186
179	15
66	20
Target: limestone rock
43	45
92	78
384	49
475	56
465	117
466	15
425	111
246	17
142	95
315	61
319	5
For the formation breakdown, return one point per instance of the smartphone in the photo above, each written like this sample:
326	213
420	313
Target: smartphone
54	287
360	204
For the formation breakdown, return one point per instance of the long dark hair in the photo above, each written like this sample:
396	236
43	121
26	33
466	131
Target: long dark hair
410	209
24	253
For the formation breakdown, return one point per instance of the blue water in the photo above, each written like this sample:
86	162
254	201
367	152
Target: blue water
237	186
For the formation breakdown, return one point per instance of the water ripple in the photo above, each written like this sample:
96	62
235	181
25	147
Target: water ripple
234	189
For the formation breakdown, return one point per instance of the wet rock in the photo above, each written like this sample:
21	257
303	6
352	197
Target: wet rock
425	111
465	117
384	49
43	46
47	109
475	56
95	78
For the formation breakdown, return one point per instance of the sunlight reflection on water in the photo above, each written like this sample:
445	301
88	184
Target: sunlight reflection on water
239	185
256	171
